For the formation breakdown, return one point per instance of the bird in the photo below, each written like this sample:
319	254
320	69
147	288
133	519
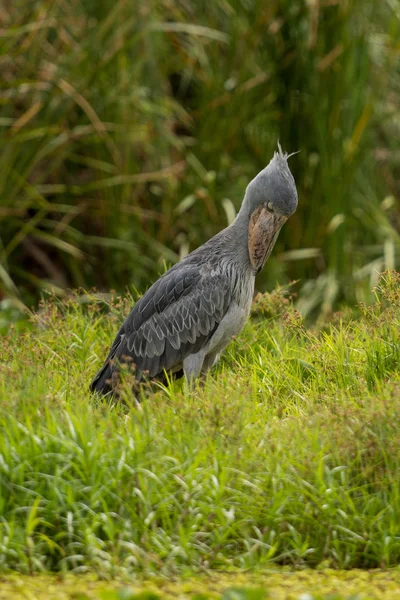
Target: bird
184	321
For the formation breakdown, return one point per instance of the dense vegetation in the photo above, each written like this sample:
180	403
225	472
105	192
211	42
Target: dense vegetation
287	454
129	131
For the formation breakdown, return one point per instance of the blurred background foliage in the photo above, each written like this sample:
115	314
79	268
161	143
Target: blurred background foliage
130	129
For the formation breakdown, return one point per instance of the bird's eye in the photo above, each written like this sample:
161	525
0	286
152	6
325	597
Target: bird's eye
270	206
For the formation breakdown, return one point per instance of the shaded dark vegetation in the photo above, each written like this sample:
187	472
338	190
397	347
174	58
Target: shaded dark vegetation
129	133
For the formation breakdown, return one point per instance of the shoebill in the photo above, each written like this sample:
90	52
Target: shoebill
188	316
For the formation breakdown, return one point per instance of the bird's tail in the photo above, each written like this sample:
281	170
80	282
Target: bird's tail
102	382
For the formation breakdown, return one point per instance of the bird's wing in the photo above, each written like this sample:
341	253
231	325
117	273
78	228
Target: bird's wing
176	317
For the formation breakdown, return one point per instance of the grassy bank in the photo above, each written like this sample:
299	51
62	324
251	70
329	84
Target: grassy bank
289	453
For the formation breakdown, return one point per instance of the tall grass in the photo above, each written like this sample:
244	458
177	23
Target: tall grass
129	132
288	453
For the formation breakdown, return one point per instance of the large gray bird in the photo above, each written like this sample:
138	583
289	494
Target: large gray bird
188	316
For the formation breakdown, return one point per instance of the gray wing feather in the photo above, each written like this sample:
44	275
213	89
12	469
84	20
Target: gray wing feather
176	317
172	334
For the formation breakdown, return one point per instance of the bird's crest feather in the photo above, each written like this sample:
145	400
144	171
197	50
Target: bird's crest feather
281	155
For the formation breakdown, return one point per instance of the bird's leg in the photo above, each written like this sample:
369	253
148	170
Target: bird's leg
210	361
197	368
192	366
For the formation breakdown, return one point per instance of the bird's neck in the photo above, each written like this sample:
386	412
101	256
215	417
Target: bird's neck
236	237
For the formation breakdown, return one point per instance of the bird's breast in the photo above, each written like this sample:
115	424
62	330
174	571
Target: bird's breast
241	296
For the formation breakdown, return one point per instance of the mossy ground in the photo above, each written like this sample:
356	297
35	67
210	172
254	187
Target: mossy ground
327	584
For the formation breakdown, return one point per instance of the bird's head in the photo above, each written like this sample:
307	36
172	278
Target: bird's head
270	199
273	188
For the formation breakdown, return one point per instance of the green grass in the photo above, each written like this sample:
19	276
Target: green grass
128	135
288	454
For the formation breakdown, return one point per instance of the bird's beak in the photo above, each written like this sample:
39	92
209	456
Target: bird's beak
264	227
